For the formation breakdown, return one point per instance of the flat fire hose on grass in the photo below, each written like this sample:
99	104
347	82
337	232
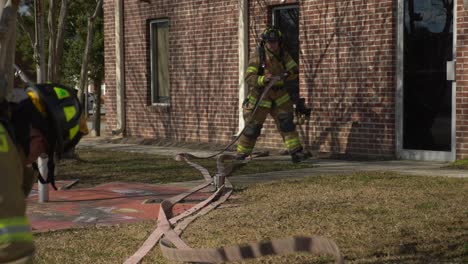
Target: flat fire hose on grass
175	249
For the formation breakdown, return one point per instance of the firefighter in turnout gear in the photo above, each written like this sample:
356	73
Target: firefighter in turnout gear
269	60
45	121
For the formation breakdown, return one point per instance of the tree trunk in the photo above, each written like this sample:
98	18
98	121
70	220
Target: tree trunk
59	43
39	46
52	39
8	11
84	65
97	104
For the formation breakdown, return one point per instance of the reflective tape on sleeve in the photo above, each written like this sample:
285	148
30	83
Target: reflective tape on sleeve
15	230
291	64
252	69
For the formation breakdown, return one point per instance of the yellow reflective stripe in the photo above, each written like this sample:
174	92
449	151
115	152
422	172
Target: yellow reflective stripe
283	99
261	80
3	140
37	102
74	131
279	83
252	99
17	237
3	143
70	112
14	230
252	69
265	103
291	64
244	150
293	143
5	222
61	93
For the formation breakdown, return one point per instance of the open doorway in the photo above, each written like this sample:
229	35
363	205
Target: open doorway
286	19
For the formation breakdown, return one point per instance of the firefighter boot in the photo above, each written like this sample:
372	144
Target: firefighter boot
300	156
241	156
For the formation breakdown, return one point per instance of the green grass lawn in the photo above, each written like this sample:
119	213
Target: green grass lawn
98	166
459	164
374	217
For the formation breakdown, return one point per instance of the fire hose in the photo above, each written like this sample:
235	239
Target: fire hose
169	228
175	249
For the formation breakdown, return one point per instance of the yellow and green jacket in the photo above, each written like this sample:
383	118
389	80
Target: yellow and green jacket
274	64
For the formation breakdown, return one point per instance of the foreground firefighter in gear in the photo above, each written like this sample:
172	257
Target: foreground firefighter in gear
270	60
46	122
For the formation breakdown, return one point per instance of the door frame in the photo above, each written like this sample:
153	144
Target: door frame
412	154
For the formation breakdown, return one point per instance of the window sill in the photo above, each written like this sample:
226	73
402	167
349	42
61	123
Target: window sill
159	108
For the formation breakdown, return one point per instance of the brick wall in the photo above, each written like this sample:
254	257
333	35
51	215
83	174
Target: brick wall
462	82
203	69
347	72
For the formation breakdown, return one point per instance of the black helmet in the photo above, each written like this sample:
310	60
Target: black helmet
54	110
60	107
272	34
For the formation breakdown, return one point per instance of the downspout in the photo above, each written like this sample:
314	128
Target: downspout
243	31
120	69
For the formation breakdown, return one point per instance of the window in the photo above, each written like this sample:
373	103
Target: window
159	48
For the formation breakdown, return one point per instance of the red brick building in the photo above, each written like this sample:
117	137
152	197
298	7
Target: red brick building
383	77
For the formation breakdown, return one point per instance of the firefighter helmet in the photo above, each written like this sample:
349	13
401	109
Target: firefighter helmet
58	105
272	34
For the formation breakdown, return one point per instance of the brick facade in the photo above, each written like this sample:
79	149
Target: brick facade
203	70
462	82
347	74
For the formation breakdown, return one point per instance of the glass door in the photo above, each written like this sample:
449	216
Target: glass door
426	79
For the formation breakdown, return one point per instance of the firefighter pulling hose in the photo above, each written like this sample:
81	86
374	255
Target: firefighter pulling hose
271	59
269	67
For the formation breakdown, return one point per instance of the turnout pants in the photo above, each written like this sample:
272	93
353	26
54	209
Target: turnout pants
278	104
16	240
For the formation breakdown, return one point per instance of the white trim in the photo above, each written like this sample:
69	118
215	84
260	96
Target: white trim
243	42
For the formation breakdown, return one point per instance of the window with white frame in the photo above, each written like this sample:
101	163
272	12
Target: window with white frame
159	52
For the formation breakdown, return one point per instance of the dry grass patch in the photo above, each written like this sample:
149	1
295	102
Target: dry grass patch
374	218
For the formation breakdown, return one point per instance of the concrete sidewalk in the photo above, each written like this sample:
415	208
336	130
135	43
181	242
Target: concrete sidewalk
324	166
